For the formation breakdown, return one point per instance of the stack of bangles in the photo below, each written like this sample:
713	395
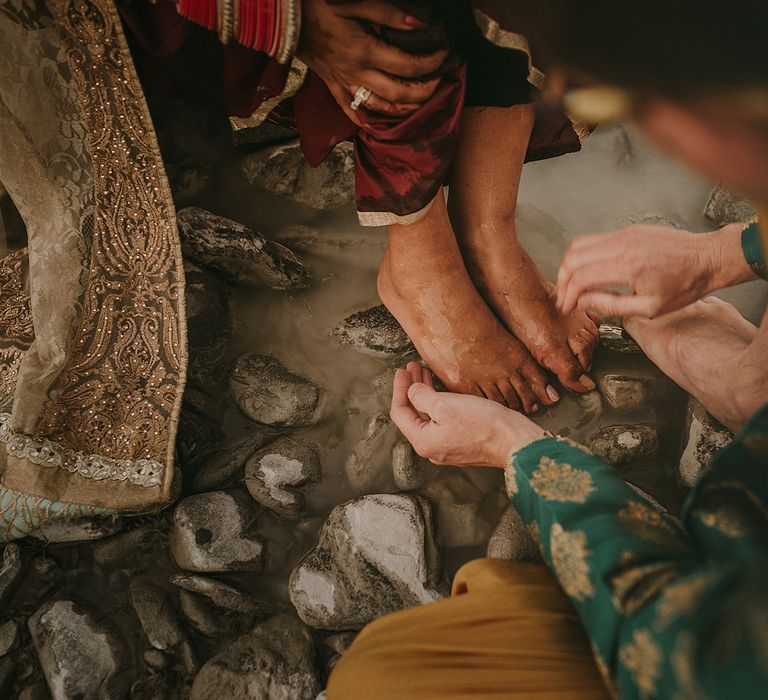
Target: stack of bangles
269	26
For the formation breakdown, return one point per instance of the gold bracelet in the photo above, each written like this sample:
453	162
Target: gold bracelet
290	31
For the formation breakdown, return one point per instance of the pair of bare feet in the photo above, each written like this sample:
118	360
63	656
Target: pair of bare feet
481	315
712	352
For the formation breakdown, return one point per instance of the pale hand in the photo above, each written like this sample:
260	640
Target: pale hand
456	429
336	44
664	269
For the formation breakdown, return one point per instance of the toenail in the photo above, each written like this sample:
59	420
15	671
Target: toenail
552	393
586	382
534	408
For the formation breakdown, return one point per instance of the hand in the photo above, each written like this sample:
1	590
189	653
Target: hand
337	43
456	429
664	268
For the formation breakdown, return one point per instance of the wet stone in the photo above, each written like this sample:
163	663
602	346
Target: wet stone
616	339
154	608
9	636
367	462
156	659
628	393
237	253
276	659
79	530
168	685
217	532
188	180
36	691
512	541
126	547
410	471
626	447
222	594
11	573
209	620
227	467
703	437
376	555
79	652
266	392
282	170
277	475
725	208
197	435
374	331
461	516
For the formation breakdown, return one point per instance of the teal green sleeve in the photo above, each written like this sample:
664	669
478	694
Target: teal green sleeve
752	247
665	620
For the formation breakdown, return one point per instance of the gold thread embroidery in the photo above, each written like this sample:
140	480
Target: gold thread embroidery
642	658
649	524
569	559
510	479
16	330
681	598
559	481
683	667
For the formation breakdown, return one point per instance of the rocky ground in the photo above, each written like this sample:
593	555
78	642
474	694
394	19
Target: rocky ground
304	515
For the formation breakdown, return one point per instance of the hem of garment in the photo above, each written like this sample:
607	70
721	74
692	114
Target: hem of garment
387	218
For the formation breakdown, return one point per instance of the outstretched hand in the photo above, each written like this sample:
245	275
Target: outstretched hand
456	429
664	269
337	43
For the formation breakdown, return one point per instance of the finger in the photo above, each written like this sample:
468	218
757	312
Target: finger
343	99
377	104
402	412
398	63
427	378
423	398
383	13
597	276
414	370
397	91
619	305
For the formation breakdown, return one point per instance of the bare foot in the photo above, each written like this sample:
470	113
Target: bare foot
524	301
713	353
457	335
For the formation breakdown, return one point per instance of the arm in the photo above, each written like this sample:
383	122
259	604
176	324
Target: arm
670	613
665	269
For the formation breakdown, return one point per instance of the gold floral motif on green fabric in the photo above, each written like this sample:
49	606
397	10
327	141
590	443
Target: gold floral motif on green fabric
681	598
642	657
633	588
559	481
574	444
683	667
569	558
648	523
757	444
510	479
727	520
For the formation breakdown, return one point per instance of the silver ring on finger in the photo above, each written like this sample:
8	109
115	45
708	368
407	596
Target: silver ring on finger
362	95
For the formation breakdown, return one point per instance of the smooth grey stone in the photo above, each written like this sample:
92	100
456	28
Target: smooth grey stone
274	661
166	685
237	253
125	547
222	594
374	331
616	339
724	207
9	636
277	475
226	468
210	620
367	462
217	532
155	610
410	471
79	651
703	437
376	554
512	541
626	447
628	393
283	170
11	572
156	659
266	392
79	529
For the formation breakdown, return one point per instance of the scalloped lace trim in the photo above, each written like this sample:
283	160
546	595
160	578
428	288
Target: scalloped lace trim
46	453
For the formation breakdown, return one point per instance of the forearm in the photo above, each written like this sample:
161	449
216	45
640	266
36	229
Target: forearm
727	263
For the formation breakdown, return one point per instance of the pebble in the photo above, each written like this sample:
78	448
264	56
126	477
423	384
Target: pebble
80	653
277	475
703	437
376	554
126	547
367	463
374	331
626	447
628	393
9	636
79	529
273	661
222	594
512	541
217	532
11	573
154	608
209	620
156	659
237	253
410	471
226	468
283	170
616	339
266	392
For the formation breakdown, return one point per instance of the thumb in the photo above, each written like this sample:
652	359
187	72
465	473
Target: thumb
423	398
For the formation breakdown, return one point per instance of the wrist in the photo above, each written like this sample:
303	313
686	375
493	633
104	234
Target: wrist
517	434
726	265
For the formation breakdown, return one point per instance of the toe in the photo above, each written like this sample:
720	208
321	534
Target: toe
525	392
568	370
539	382
509	394
491	391
582	346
